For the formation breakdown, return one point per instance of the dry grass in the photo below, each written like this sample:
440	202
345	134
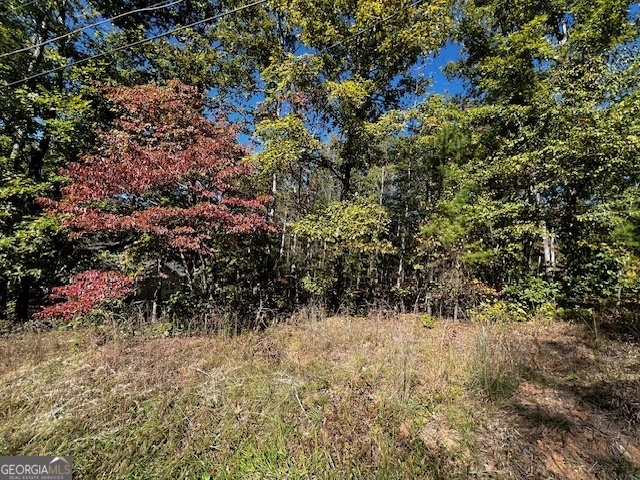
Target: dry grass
375	397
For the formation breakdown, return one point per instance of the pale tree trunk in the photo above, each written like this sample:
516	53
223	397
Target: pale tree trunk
548	245
274	192
403	248
284	234
400	266
427	297
203	275
548	250
17	146
294	249
156	294
154	309
374	259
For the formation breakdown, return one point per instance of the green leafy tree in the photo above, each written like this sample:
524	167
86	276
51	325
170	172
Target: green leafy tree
335	83
353	230
551	124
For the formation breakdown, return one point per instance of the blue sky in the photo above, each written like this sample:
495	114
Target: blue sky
441	84
431	68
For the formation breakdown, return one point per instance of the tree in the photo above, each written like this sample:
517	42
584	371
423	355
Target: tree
39	128
551	122
331	88
356	229
163	183
42	119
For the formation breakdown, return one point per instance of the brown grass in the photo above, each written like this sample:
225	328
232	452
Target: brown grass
374	397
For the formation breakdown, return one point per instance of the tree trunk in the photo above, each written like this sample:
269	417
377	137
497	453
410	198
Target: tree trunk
36	162
157	293
346	183
4	293
400	266
548	251
339	289
22	300
274	192
284	234
17	146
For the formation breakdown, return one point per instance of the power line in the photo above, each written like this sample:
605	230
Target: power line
199	22
133	44
157	6
20	7
377	24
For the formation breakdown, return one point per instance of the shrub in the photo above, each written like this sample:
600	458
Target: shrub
497	311
428	321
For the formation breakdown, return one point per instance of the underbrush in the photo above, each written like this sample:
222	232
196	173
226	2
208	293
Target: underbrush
382	396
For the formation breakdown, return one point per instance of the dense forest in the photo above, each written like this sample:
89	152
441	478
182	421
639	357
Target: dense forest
321	239
187	160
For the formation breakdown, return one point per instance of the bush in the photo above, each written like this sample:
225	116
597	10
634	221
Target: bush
531	292
548	311
316	287
497	311
428	321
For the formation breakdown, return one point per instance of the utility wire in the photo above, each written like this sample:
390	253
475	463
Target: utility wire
19	7
157	6
133	44
193	24
377	24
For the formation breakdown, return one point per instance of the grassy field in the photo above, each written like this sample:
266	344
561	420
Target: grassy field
339	397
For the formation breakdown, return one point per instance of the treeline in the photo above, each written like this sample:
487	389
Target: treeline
287	153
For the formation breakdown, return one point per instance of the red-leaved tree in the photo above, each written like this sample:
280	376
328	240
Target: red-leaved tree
85	291
163	170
